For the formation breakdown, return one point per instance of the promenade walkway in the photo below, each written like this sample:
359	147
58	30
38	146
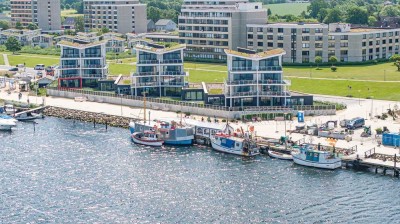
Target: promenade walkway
6	62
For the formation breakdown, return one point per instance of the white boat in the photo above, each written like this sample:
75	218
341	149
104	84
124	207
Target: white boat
9	109
308	156
6	124
28	116
279	155
234	145
147	138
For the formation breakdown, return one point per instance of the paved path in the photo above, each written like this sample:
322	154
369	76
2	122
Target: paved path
355	80
6	62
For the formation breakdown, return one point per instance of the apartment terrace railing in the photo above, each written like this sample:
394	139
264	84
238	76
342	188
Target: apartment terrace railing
169	61
92	56
255	82
70	56
195	105
144	74
69	66
261	93
262	68
169	73
93	66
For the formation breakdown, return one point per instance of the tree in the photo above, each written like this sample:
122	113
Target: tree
18	26
333	59
104	30
32	26
357	15
315	7
4	25
269	12
318	60
390	10
334	16
79	24
13	44
372	21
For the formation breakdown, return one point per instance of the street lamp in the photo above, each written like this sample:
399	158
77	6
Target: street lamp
120	95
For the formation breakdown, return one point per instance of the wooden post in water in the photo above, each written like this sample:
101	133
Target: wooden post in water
394	168
94	122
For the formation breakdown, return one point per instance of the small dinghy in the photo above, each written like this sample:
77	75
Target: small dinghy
278	155
148	138
28	116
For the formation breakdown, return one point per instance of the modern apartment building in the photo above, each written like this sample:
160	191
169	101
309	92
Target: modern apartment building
23	36
159	70
303	42
210	27
82	64
121	16
46	14
255	79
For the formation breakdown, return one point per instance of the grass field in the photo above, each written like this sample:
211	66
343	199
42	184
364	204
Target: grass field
287	8
379	90
121	69
1	59
379	72
32	60
69	13
206	72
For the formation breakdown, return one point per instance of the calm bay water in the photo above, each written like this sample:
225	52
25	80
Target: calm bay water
66	173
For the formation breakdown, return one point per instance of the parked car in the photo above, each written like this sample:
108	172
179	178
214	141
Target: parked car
39	67
355	123
15	69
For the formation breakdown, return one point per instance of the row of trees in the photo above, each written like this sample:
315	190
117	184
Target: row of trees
73	4
351	11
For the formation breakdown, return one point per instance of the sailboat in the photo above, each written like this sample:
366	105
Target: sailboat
147	137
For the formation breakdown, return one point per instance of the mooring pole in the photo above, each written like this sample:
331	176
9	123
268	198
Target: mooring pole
94	122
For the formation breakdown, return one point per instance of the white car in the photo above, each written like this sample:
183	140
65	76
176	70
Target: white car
39	67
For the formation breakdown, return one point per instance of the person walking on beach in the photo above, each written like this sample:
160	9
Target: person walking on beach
19	96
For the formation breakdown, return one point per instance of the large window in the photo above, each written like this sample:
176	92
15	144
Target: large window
240	63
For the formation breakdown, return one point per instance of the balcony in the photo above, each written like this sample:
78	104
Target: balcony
69	66
259	82
92	56
93	66
69	76
261	68
144	74
173	73
169	61
70	56
262	93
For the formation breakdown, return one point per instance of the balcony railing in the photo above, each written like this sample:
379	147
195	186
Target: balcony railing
169	61
144	74
261	68
69	66
94	66
262	82
262	93
177	73
70	56
92	56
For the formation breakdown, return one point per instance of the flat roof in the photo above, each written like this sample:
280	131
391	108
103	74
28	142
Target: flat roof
160	50
78	45
257	56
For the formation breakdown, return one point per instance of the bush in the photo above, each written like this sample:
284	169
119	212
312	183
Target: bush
39	50
349	96
223	120
333	68
187	113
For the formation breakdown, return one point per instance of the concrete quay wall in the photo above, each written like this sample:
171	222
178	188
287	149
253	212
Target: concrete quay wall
202	111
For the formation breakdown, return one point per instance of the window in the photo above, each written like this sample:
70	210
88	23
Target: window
306	30
305	38
344	37
378	35
280	30
259	29
260	44
306	45
260	37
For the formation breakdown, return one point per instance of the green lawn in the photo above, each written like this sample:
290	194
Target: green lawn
32	60
287	8
379	90
69	13
197	76
359	72
123	69
1	59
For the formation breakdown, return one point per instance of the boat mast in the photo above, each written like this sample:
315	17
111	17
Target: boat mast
144	107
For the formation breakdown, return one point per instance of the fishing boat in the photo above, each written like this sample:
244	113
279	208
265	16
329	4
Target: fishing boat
309	156
234	145
28	116
7	123
279	155
170	132
148	138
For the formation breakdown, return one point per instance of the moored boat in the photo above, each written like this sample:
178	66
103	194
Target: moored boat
308	156
147	138
279	155
28	116
234	145
7	123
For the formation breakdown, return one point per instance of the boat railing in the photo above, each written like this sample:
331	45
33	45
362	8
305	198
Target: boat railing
369	153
